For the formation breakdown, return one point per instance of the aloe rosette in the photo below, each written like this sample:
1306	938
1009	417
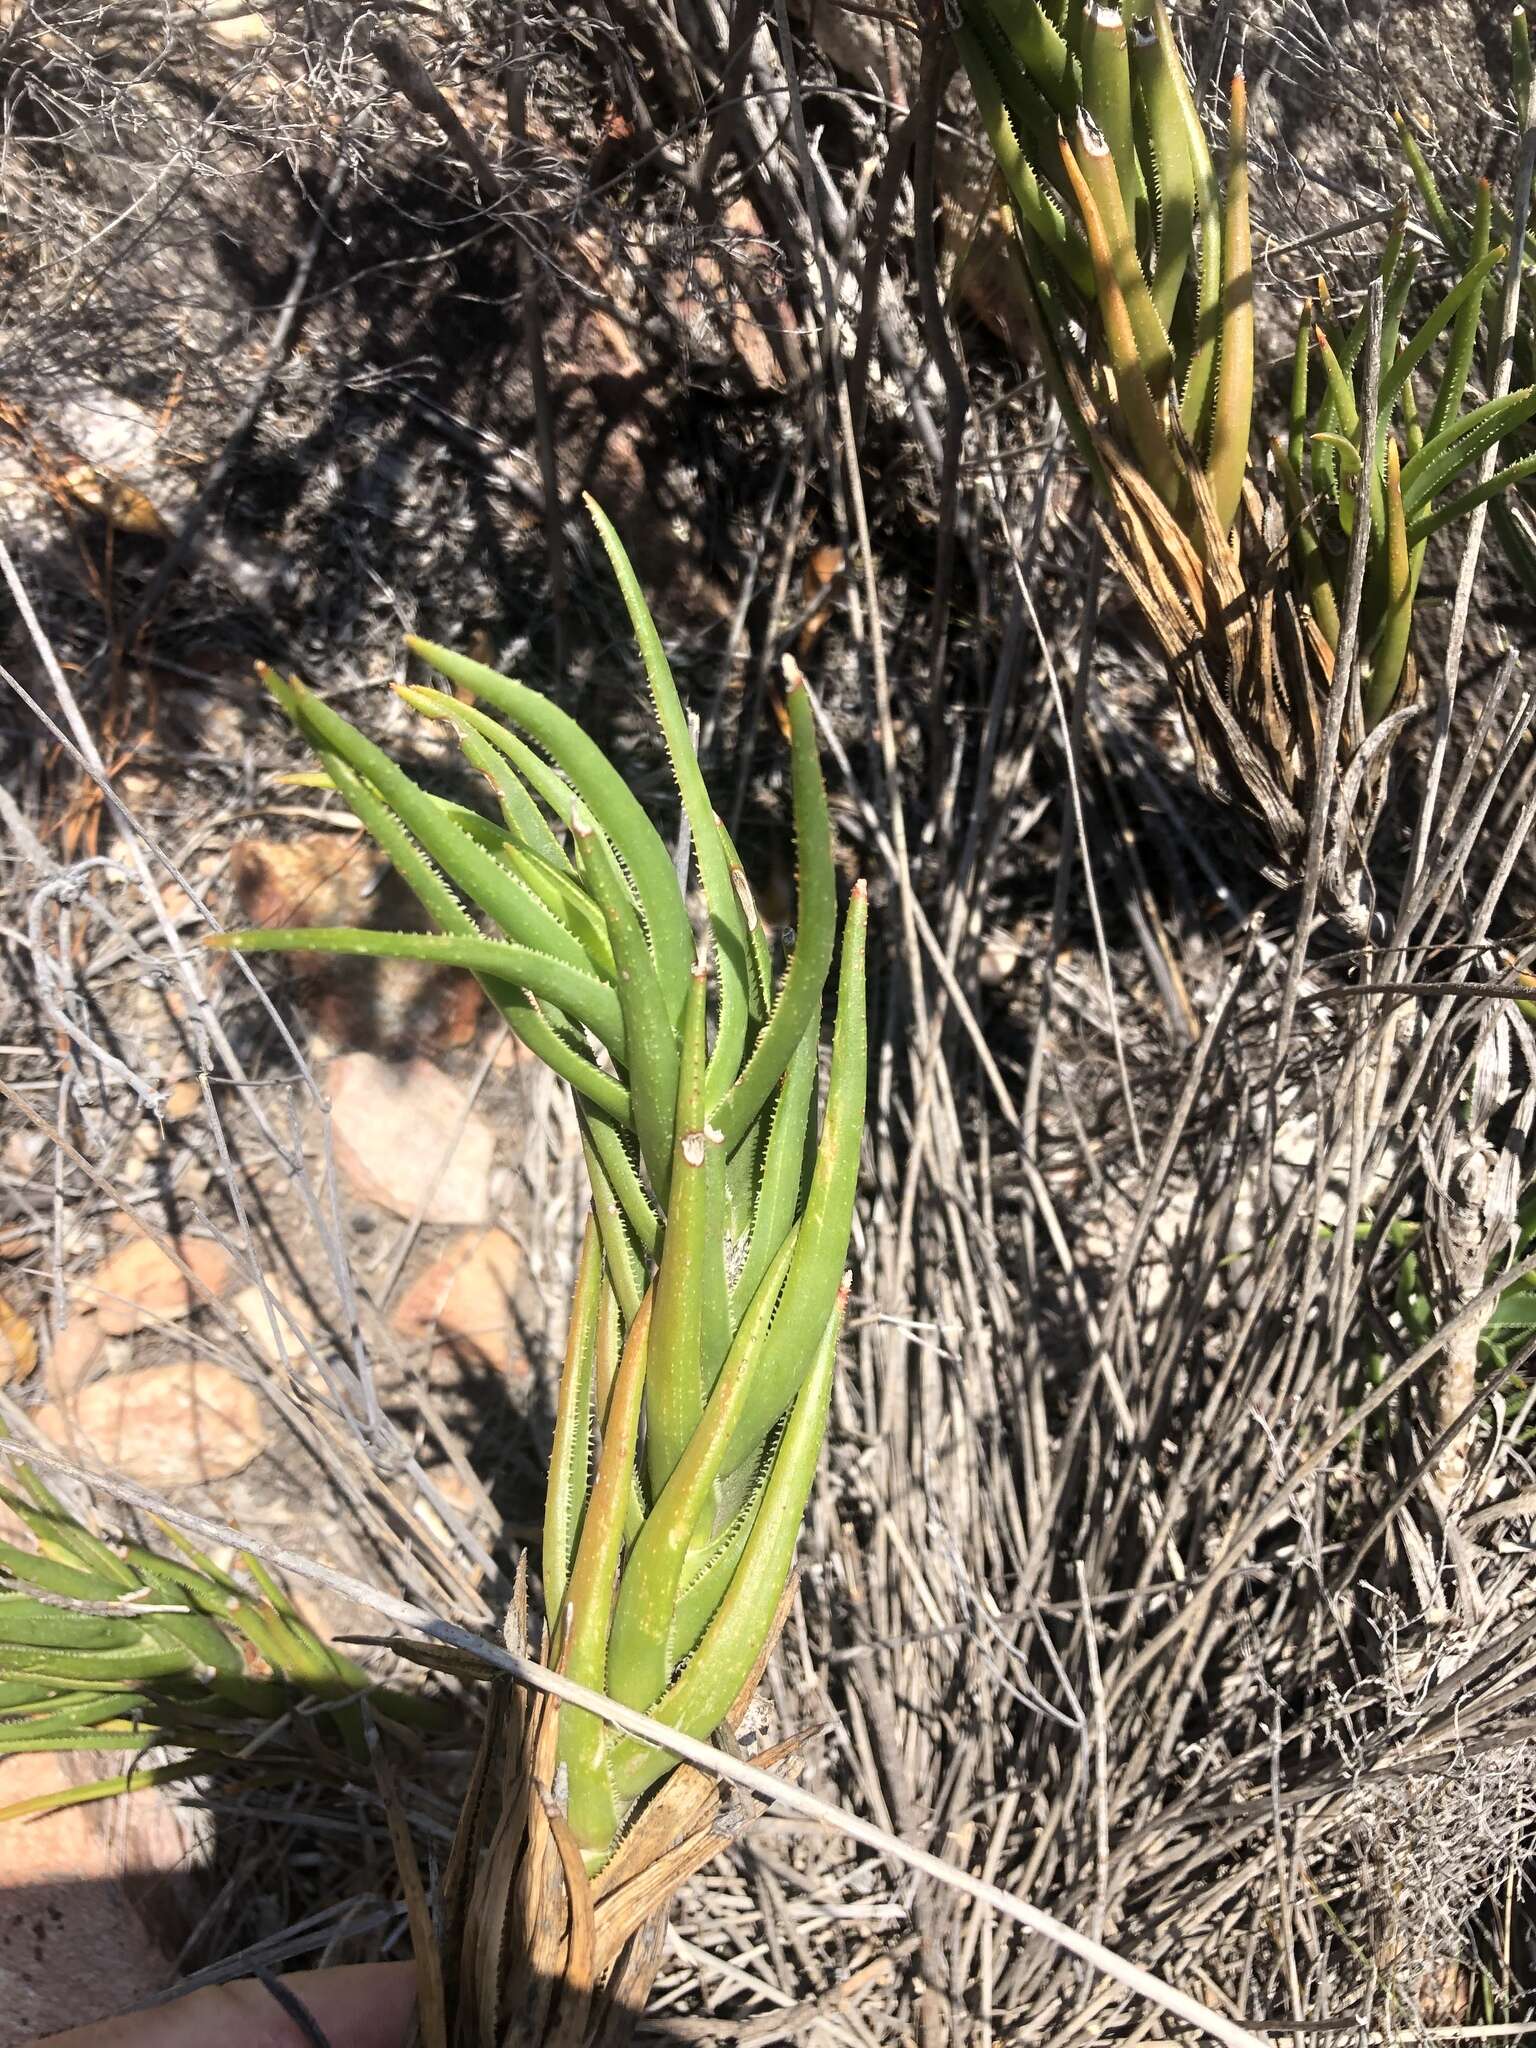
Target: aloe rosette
1463	236
1410	483
113	1647
710	1285
1135	244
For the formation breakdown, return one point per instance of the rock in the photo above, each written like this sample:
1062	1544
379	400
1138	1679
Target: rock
74	1942
142	1284
465	1296
18	1344
170	1425
183	1099
240	31
395	1126
276	1336
78	1350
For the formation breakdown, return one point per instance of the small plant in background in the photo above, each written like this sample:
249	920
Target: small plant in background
1425	443
708	1299
1513	509
112	1647
1129	238
1137	255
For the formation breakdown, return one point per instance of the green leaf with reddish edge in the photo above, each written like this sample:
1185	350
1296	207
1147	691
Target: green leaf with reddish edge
1386	659
1133	395
816	1271
698	1700
1153	348
570	1457
1232	413
1107	94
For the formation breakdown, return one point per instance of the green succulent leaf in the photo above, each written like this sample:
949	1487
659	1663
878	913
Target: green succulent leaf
650	1035
1456	509
711	849
816	1270
675	1387
575	989
799	999
1441	460
641	1648
570	1458
605	793
698	1699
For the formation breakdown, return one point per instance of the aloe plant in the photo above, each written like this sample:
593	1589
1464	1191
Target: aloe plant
1425	444
1461	239
114	1647
1128	229
1128	235
710	1286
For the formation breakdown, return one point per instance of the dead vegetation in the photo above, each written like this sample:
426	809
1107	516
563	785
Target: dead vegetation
1162	1572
